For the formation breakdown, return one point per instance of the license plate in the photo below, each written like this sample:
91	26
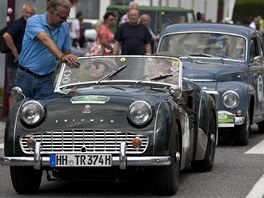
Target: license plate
80	160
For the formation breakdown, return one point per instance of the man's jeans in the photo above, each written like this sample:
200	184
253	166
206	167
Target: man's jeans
35	87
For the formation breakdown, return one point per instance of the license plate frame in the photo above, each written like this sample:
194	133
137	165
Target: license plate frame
80	160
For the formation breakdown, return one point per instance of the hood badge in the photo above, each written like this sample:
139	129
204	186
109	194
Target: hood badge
86	109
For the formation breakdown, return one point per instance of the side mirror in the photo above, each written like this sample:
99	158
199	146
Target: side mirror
16	92
175	91
257	60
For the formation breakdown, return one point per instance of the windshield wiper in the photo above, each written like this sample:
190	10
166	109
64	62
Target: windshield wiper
161	77
201	54
112	74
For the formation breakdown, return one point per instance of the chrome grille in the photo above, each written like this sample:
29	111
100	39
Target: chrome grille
73	141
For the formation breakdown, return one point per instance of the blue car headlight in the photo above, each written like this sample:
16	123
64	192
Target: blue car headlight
231	99
32	112
140	112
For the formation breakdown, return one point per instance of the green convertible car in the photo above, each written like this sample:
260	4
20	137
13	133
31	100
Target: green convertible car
113	114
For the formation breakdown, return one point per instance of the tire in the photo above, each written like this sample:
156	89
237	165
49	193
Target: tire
208	162
261	127
166	179
25	180
242	132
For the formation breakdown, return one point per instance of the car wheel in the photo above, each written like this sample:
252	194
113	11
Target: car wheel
26	180
208	162
242	132
166	179
261	127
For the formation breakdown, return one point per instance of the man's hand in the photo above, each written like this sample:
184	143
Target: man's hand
70	59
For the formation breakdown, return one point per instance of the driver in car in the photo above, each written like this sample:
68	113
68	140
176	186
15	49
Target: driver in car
102	67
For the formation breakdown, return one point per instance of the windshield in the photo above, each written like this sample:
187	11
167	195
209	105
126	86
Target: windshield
121	70
205	45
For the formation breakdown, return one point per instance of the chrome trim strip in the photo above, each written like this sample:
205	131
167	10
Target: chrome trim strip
37	156
130	161
122	156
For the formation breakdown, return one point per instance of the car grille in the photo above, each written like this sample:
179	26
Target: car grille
76	141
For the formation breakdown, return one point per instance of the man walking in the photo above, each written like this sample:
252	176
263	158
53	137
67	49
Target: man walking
13	38
133	37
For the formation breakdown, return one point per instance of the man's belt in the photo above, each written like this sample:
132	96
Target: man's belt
31	73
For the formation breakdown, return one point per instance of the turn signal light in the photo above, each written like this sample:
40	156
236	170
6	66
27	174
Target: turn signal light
137	142
31	142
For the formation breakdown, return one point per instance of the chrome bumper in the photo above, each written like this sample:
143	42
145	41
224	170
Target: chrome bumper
122	160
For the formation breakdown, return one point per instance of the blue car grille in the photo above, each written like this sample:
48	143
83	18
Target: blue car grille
76	141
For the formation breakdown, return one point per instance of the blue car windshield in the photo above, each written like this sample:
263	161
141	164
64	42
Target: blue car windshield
206	45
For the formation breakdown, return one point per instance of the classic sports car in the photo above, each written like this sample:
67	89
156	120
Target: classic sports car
227	59
113	114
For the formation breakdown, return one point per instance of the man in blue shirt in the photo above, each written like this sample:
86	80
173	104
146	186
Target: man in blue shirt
13	38
46	44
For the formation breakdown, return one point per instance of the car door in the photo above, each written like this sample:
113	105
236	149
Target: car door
256	71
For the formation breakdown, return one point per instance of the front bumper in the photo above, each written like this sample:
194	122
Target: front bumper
122	160
227	119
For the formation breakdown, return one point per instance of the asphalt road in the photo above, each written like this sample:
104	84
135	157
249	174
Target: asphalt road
237	173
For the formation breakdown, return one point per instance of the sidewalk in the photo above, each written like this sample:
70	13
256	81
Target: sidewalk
2	129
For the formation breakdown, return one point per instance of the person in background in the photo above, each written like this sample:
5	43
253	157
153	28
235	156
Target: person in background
46	44
145	19
105	35
255	23
13	38
200	18
133	37
132	6
77	31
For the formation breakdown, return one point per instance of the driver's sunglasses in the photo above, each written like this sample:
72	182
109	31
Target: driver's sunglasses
63	18
96	65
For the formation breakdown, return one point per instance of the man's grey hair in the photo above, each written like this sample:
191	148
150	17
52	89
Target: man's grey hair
29	5
133	5
54	4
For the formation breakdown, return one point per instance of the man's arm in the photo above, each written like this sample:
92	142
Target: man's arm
52	47
116	48
148	48
10	43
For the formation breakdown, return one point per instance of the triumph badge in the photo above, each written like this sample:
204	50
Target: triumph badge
86	109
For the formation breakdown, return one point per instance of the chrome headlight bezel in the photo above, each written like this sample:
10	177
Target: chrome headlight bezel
230	99
32	112
140	113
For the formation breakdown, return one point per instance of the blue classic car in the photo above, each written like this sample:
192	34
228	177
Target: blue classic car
228	59
110	116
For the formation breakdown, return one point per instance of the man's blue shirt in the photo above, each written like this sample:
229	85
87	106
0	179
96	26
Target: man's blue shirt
35	55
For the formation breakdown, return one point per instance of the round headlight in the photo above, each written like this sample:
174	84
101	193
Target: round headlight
230	99
140	113
32	112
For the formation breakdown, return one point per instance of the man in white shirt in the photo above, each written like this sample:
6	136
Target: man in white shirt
75	30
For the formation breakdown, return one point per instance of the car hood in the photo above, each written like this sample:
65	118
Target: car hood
99	108
205	72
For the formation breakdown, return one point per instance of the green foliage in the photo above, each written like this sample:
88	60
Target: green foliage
245	12
241	2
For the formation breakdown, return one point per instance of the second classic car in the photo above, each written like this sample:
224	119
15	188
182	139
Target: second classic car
228	59
108	117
